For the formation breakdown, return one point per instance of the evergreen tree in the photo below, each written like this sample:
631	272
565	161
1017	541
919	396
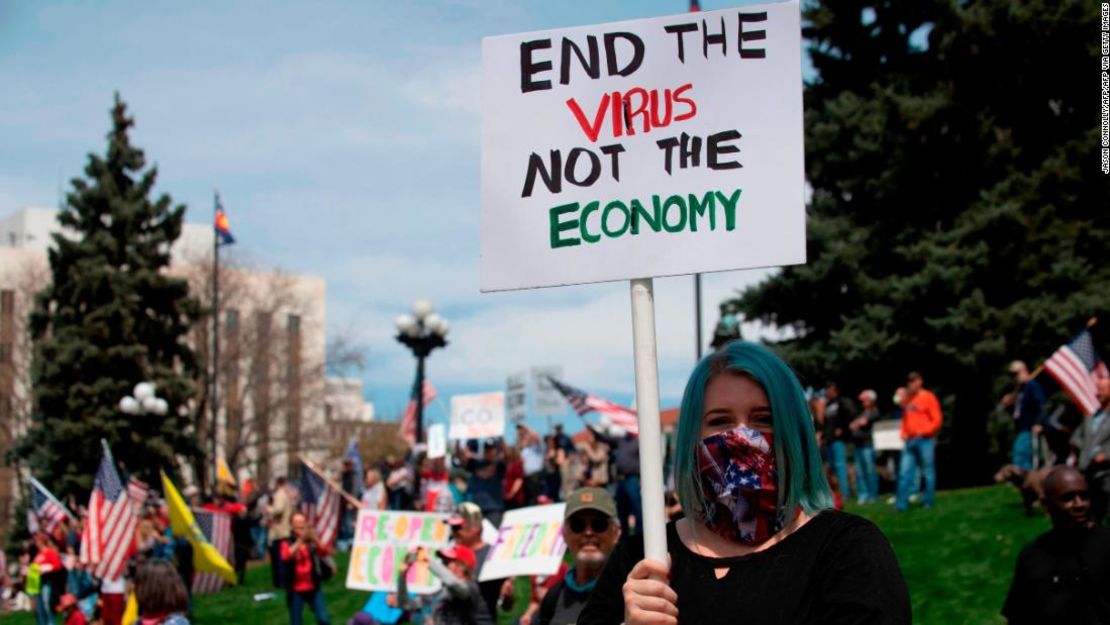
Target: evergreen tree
959	218
110	318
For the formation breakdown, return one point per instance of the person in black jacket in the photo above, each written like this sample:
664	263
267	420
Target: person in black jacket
1063	575
839	414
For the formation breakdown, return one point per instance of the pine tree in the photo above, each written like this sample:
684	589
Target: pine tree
959	218
110	318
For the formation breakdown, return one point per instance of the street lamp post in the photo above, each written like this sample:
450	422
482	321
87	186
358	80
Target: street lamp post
422	331
143	400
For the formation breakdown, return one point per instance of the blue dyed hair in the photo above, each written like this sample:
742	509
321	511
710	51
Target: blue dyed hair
801	474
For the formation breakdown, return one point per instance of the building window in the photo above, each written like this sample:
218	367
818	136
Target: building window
7	303
231	318
293	324
5	353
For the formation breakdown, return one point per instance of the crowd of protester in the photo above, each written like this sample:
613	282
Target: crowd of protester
597	474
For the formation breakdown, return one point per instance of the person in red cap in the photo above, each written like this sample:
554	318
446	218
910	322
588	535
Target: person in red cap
460	602
67	606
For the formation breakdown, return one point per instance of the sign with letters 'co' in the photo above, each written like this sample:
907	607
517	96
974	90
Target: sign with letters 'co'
477	416
644	148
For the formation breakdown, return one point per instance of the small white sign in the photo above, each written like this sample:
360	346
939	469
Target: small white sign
887	436
645	148
437	441
529	542
547	401
477	416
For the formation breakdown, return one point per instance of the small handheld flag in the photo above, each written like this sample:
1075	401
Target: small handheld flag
1077	367
320	503
46	508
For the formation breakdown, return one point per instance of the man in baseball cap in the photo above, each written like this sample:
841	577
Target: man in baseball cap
591	531
466	530
461	602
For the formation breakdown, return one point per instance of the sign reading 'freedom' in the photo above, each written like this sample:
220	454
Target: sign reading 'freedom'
644	148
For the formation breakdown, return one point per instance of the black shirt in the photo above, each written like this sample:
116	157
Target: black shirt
1062	578
862	436
839	413
837	568
487	484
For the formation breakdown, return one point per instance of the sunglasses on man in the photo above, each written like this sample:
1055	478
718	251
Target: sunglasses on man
598	524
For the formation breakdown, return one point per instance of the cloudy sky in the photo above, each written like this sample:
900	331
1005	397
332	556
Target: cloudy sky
344	137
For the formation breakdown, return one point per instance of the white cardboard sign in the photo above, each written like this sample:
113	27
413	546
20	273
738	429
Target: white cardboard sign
644	148
437	441
529	542
477	416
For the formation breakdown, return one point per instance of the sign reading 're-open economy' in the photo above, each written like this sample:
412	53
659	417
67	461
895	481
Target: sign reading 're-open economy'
644	148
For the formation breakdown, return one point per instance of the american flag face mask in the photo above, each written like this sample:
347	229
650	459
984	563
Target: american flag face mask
740	484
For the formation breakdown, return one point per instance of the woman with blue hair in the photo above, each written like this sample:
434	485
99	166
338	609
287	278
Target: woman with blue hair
759	543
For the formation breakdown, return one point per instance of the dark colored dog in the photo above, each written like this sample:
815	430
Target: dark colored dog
1029	483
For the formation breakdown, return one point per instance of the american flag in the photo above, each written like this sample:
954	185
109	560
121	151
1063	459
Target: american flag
109	536
408	419
320	504
216	527
1077	367
46	512
584	402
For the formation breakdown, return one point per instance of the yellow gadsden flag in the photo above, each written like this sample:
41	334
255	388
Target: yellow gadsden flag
223	472
206	559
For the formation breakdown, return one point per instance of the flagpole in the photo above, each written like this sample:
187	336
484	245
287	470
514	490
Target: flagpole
645	359
311	467
1040	368
215	326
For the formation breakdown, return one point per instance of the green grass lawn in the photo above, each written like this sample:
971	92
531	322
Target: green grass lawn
957	559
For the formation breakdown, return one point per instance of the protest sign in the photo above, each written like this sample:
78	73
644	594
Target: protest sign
437	441
383	538
644	148
639	149
546	399
516	397
529	542
477	416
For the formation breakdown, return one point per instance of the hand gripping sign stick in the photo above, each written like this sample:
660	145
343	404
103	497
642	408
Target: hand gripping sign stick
647	409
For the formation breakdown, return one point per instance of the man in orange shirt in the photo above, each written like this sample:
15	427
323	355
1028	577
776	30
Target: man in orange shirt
921	420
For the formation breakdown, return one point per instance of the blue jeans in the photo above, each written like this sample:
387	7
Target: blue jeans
867	478
629	502
314	599
43	615
1022	454
918	453
839	451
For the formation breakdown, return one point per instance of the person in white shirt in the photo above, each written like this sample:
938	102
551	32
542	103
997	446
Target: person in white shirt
373	496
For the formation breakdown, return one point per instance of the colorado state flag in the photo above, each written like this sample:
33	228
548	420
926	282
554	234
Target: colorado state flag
223	228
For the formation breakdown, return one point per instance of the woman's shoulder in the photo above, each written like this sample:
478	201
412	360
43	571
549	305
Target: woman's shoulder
840	527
